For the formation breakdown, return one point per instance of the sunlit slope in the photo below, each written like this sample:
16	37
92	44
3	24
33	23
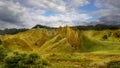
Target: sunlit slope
28	40
65	40
102	40
61	40
34	39
73	36
104	35
56	44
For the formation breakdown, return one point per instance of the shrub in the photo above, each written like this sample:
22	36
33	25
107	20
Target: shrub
114	64
32	60
117	34
13	61
2	53
20	60
105	37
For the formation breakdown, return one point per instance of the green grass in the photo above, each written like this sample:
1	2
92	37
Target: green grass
61	48
107	52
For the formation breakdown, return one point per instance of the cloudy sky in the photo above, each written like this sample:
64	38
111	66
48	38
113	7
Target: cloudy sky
27	13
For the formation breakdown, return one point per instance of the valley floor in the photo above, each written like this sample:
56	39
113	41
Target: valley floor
83	60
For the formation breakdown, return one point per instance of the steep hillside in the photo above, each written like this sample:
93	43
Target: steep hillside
62	40
28	40
55	45
72	36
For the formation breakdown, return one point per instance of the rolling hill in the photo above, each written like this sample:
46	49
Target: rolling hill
66	47
63	39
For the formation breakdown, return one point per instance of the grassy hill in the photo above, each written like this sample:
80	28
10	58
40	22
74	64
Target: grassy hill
66	46
63	38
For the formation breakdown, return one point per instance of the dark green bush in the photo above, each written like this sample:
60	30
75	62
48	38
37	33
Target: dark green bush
114	64
13	61
117	34
32	60
2	53
105	37
18	60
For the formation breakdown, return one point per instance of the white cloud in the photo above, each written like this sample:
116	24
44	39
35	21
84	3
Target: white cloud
27	13
63	19
11	12
110	11
77	3
110	6
45	4
108	3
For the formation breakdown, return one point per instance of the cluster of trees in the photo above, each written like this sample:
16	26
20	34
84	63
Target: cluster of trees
15	30
42	26
21	60
98	27
11	31
89	27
